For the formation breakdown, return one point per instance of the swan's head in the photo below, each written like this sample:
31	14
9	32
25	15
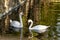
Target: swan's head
21	13
30	21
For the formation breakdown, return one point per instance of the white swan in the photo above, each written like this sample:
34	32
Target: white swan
37	28
15	24
18	25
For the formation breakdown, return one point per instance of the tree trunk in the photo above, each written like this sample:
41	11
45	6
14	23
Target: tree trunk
25	17
7	17
36	12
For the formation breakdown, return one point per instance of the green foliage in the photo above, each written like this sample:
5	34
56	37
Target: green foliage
48	17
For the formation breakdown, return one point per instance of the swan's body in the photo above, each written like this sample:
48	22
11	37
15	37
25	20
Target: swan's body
16	24
37	28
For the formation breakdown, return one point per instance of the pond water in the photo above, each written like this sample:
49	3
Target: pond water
53	33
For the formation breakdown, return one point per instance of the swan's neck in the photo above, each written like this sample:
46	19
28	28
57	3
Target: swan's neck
30	27
20	16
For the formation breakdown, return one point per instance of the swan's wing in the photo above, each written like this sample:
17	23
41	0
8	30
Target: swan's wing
40	27
40	31
15	24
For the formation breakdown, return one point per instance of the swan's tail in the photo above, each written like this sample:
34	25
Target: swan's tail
10	20
48	26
